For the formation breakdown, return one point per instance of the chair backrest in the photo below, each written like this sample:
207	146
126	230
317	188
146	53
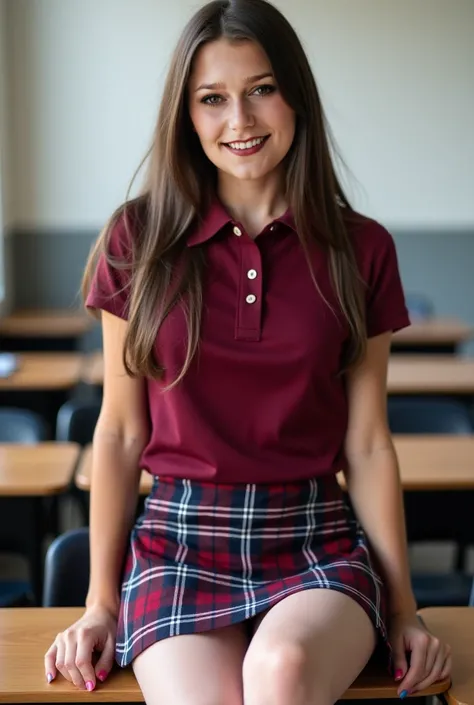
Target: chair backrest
21	426
66	575
77	420
432	415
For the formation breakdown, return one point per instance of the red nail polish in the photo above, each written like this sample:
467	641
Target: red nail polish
102	675
398	674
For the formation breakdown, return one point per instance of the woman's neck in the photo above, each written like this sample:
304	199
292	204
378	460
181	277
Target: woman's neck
254	203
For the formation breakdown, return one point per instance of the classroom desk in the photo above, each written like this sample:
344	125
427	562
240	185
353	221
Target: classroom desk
44	371
28	475
34	330
455	626
431	374
26	634
436	335
431	463
407	374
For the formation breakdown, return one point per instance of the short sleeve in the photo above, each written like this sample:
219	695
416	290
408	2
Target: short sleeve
110	286
385	300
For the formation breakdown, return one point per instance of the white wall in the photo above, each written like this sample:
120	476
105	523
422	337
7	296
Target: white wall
396	79
3	160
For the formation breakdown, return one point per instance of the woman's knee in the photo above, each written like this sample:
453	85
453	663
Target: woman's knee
283	674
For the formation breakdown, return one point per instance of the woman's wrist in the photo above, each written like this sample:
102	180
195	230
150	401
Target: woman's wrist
110	603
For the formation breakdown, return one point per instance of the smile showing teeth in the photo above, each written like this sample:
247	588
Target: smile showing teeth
246	145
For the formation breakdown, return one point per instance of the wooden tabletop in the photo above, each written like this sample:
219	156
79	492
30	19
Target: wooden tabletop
435	331
430	374
407	374
93	370
44	371
41	469
63	323
455	626
426	463
26	634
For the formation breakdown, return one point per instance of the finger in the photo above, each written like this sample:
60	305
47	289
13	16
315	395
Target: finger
50	663
416	672
446	672
433	673
61	657
400	665
106	660
85	649
70	660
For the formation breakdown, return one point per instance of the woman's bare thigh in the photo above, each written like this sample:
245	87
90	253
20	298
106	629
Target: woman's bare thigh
194	669
309	647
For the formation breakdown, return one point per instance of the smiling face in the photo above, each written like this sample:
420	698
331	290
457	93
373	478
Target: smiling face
244	125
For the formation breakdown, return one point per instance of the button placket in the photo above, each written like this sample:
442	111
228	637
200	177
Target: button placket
249	306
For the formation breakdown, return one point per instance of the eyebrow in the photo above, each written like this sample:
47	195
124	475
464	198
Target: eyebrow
220	86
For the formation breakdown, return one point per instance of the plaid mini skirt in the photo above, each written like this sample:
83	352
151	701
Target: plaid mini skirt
204	556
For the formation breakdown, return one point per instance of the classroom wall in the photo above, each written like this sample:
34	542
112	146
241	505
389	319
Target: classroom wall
396	79
5	248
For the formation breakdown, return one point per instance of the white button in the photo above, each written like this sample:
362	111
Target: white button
272	228
252	274
251	299
237	231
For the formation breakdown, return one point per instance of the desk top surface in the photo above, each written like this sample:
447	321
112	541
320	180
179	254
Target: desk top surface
455	626
407	374
435	331
426	463
26	323
430	374
45	371
41	469
26	634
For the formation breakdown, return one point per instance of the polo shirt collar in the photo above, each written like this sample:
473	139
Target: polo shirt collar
216	218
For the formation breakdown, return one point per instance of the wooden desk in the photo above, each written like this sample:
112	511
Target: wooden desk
34	330
93	370
407	374
426	463
28	475
26	323
455	626
430	374
43	371
26	634
441	335
36	470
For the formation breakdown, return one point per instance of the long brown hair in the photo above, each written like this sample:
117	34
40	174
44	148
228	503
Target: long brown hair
180	183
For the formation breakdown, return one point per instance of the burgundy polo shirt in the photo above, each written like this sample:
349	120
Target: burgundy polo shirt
263	401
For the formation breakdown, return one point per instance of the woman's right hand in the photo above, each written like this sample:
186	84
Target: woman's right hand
72	650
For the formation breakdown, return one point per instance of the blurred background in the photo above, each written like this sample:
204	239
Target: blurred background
80	85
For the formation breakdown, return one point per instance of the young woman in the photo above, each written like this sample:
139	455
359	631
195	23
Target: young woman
247	311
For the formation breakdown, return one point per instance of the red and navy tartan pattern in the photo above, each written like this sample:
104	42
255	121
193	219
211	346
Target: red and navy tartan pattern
204	556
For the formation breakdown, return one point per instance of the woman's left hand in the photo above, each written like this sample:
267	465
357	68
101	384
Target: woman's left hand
430	659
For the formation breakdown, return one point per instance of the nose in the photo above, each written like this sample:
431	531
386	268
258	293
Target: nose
240	116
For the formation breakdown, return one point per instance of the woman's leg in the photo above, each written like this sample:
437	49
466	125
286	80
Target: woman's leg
307	650
195	669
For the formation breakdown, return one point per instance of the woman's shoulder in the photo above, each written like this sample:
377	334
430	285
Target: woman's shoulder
370	239
125	226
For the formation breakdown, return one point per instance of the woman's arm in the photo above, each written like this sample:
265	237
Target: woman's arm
119	438
373	478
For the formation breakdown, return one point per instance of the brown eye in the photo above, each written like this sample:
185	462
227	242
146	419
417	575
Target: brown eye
211	100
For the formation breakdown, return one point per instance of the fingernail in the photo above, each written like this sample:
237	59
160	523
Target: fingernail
403	694
398	674
49	677
89	685
102	675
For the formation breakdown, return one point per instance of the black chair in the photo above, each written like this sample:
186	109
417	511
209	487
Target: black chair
26	427
21	426
429	515
66	575
431	415
76	422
